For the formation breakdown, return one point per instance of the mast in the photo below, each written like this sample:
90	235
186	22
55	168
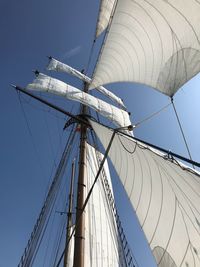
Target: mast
80	215
69	221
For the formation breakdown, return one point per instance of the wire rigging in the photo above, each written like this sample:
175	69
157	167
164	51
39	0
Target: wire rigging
61	228
181	128
48	110
50	141
103	200
31	136
128	255
90	57
91	51
88	195
32	246
146	145
151	116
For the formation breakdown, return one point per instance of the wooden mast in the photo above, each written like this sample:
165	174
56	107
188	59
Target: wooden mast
79	246
69	214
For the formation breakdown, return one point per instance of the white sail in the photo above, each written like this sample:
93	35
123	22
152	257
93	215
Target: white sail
56	65
48	84
101	236
102	246
152	42
165	195
70	259
61	67
105	12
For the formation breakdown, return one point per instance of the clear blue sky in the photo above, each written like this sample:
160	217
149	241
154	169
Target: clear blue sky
31	30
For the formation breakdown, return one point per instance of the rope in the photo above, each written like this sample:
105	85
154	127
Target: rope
29	102
130	152
105	36
88	196
192	162
92	48
126	249
31	136
59	239
40	241
128	255
90	58
180	126
151	116
167	156
32	246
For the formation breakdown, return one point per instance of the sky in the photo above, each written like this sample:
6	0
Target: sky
31	135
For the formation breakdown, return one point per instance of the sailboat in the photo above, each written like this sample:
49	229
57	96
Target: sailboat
146	42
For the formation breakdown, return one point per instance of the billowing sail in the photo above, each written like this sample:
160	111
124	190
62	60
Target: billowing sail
105	12
61	67
101	237
152	42
114	114
165	195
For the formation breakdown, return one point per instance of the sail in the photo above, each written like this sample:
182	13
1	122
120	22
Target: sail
165	195
71	251
56	65
61	67
48	84
101	236
154	42
105	12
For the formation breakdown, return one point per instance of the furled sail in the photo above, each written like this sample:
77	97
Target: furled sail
71	251
61	67
152	42
114	114
102	246
105	12
165	195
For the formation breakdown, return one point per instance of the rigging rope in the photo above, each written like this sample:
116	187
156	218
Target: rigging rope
105	36
47	110
113	232
147	145
180	126
31	135
32	246
50	140
60	229
55	249
40	241
167	156
59	240
90	58
88	195
91	50
128	255
152	115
